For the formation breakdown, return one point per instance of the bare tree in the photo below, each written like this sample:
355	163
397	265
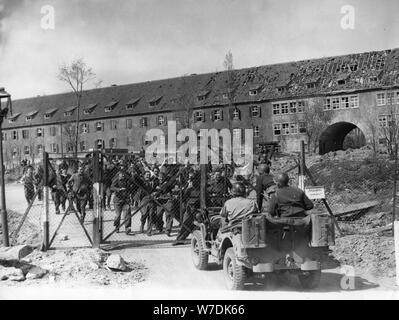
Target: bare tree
316	121
370	118
76	75
184	102
390	129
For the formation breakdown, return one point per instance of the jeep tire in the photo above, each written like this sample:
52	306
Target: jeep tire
234	273
198	251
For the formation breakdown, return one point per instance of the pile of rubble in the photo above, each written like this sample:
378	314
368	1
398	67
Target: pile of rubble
69	267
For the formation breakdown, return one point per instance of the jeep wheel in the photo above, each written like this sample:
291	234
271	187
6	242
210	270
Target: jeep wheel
198	252
310	279
235	274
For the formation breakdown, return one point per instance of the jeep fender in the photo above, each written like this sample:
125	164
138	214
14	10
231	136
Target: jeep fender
231	241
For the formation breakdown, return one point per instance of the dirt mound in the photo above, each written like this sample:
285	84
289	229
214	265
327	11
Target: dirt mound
372	254
84	267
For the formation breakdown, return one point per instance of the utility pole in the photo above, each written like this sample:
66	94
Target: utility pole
3	209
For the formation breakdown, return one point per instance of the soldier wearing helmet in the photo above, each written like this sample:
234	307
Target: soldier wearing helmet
263	182
288	201
238	207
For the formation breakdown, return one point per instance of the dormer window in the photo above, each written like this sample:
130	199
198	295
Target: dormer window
312	83
202	95
254	90
110	106
132	103
13	118
282	89
342	79
31	115
155	101
89	109
49	113
69	112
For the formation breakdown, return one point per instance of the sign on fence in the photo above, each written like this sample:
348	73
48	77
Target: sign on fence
315	192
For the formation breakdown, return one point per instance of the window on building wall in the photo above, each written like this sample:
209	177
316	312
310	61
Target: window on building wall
25	134
397	97
112	143
217	115
277	129
293	107
302	127
14	135
99	143
4	136
345	103
53	131
380	99
256	131
54	147
236	114
82	145
301	106
276	108
284	108
293	128
129	123
39	132
27	150
99	126
255	111
327	104
113	124
390	98
354	101
39	149
335	103
84	128
383	121
143	122
161	120
285	128
69	147
199	116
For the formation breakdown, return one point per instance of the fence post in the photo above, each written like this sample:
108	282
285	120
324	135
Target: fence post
301	177
395	223
204	178
97	197
46	202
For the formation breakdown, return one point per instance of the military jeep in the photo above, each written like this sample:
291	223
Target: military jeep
259	245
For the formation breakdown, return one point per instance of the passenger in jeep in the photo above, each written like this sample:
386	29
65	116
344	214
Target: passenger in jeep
288	201
239	207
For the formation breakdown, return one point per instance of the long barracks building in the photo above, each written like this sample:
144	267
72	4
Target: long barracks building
270	99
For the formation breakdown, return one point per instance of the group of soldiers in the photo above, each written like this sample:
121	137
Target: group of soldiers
162	194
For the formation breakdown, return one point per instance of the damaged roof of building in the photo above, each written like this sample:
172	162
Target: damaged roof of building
370	70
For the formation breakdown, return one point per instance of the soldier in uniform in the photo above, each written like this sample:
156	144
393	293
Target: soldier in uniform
238	207
79	188
219	188
288	201
120	186
29	184
192	194
263	182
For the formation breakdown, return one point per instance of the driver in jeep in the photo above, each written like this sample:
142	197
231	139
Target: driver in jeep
238	207
288	201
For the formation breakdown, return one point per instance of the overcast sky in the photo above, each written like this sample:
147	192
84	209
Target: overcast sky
127	41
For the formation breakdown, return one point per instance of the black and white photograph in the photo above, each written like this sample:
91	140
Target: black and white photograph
186	150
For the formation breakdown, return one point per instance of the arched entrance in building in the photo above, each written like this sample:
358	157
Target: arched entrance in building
339	136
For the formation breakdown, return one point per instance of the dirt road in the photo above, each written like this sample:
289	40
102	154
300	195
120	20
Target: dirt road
172	276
